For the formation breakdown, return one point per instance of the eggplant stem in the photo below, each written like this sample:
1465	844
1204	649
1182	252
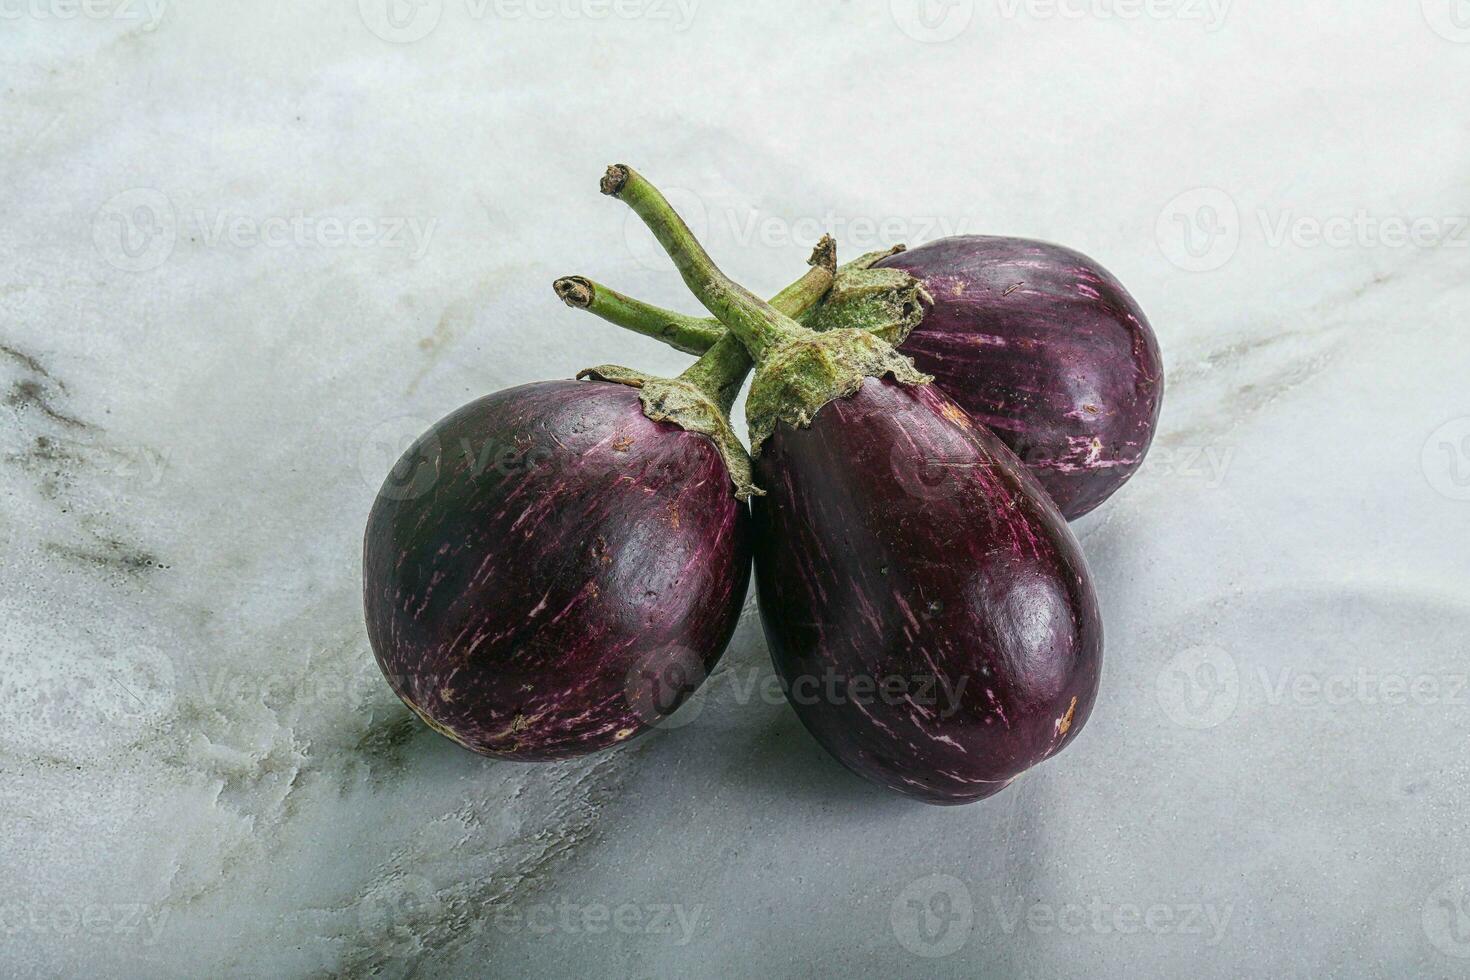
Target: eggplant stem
759	326
683	333
723	362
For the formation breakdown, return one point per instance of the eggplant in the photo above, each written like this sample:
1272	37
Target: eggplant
947	616
514	606
925	603
1044	347
553	569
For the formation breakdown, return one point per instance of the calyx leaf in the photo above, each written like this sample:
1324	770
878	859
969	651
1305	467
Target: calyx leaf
685	405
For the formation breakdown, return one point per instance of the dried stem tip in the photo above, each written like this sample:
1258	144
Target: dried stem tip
615	179
575	291
824	256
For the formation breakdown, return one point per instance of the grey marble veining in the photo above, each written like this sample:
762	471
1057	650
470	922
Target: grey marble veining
247	250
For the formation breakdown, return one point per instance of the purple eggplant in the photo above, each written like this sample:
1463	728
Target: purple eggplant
562	571
929	612
1044	347
925	603
555	568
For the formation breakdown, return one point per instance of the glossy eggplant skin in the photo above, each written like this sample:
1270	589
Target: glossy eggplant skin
548	572
926	606
1043	346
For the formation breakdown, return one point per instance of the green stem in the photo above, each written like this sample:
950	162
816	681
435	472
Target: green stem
721	372
724	363
684	333
695	335
759	326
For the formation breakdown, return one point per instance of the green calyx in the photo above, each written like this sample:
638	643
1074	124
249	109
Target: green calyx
700	399
685	404
798	370
804	373
888	303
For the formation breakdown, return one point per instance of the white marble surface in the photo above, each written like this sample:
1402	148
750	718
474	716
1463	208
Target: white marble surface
246	248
